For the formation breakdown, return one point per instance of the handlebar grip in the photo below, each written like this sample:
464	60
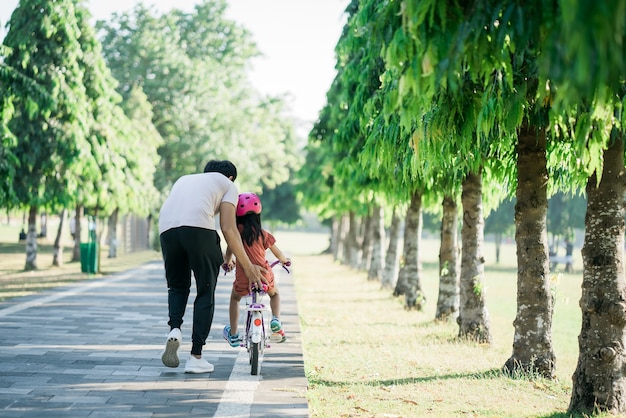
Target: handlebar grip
226	268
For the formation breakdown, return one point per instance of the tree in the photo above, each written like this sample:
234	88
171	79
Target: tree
448	298
377	227
409	283
603	293
31	91
473	319
532	344
43	39
390	274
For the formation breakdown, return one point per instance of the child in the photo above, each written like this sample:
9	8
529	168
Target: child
256	241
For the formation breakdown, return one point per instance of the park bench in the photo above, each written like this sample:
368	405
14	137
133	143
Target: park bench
568	260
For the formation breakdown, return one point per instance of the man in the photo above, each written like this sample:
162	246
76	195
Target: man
190	242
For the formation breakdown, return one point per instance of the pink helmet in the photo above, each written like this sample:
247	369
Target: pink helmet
248	202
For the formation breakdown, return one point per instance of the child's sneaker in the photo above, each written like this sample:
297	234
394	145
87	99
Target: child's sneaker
275	325
233	340
278	337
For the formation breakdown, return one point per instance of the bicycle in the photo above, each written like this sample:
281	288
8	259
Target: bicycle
256	335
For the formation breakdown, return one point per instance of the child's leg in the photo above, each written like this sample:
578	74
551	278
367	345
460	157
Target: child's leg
274	302
233	311
275	325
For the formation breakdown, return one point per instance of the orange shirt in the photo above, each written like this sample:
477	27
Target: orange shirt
257	255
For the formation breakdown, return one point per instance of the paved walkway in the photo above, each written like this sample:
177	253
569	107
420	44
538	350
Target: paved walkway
93	350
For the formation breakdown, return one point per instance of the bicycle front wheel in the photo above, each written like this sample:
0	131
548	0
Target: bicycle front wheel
254	358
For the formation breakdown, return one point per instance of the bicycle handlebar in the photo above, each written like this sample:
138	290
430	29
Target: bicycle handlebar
226	267
287	264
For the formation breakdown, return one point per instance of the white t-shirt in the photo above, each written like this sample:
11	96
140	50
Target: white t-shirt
195	200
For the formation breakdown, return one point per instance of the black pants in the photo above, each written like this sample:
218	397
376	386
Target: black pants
186	249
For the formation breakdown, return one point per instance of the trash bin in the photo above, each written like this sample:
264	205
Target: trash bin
89	257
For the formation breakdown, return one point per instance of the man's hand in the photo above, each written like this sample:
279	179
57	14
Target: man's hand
256	278
228	266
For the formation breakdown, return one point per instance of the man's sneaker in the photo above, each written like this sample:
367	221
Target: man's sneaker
233	340
170	355
278	337
275	325
198	365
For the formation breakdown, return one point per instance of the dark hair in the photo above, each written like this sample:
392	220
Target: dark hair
221	166
252	229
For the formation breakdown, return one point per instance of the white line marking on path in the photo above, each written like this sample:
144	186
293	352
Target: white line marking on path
239	391
71	292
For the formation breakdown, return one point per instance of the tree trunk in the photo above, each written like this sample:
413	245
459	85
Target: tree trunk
498	242
390	273
77	219
402	284
448	300
409	276
351	244
57	258
599	381
473	317
149	232
532	342
377	228
366	247
344	227
335	234
112	233
44	225
31	240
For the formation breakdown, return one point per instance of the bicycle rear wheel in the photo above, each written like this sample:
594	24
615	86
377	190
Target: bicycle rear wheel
254	358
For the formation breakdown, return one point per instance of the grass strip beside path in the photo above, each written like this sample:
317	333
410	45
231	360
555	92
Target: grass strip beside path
365	356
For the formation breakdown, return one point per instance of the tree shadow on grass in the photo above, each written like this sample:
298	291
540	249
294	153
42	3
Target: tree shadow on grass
489	374
483	375
568	415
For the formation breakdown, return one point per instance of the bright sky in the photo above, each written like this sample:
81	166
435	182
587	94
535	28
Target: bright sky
297	39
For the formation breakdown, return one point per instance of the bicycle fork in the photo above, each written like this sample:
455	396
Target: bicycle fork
256	330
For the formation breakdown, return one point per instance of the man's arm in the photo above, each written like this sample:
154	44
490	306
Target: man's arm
229	263
228	224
